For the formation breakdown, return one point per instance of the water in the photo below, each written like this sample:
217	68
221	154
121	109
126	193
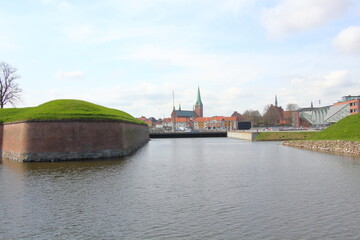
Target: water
212	188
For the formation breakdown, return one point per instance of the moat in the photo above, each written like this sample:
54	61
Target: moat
189	188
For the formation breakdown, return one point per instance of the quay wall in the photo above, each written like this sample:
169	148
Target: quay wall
188	135
333	146
70	140
243	135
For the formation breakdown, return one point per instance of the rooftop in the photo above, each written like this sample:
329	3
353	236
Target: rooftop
349	98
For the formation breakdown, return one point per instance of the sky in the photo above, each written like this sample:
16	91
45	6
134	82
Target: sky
132	55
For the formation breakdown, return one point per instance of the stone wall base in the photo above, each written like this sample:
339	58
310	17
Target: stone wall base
334	146
70	156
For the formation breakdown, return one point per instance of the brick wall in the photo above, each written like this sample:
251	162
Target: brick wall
50	141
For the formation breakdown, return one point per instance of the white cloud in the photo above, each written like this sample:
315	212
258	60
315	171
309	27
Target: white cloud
329	88
292	16
336	79
61	4
62	75
97	34
7	45
79	32
210	69
233	6
348	40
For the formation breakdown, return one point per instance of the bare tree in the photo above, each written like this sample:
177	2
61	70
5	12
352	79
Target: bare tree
273	115
10	92
253	116
292	107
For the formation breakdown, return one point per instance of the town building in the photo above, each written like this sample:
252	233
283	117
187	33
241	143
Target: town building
327	115
238	116
151	122
215	123
188	120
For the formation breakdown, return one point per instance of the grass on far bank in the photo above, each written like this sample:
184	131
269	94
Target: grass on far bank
346	129
65	109
282	136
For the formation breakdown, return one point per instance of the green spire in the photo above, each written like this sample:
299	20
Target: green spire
198	100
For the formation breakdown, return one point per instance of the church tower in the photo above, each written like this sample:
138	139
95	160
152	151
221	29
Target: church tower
199	105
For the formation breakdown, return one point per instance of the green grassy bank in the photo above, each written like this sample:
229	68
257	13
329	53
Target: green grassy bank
65	109
346	129
282	136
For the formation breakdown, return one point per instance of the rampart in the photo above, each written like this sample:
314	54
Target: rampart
70	140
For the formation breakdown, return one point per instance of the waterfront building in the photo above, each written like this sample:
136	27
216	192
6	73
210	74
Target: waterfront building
151	122
215	123
352	103
327	115
238	116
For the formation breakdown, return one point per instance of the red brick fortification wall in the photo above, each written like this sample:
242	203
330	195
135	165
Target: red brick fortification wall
1	137
56	141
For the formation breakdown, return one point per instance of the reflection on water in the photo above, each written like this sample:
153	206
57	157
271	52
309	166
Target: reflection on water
185	189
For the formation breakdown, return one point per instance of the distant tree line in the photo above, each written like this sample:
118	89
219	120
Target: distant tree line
272	116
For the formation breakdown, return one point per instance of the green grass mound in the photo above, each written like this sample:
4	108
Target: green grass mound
281	136
65	110
346	129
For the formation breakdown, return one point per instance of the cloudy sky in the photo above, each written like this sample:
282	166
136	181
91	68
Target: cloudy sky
131	55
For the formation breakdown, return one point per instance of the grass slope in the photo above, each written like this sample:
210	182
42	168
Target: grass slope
281	136
346	129
65	109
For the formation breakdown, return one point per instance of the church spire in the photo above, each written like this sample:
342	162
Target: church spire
199	105
173	101
276	102
198	99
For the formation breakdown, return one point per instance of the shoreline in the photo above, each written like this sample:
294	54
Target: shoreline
331	146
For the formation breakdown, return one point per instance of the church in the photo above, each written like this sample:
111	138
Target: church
189	114
195	120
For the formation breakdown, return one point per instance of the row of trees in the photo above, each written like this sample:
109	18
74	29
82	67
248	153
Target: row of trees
10	92
272	116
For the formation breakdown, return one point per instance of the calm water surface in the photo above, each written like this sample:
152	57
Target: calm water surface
211	188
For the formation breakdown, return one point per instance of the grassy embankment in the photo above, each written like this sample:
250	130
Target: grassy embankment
346	129
282	136
65	110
